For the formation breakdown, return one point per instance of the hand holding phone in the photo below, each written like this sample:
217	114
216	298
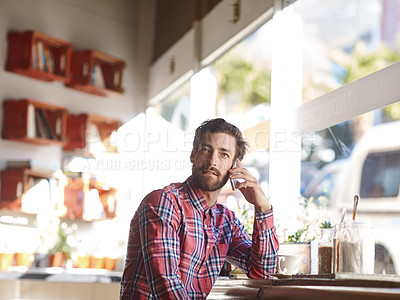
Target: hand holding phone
233	181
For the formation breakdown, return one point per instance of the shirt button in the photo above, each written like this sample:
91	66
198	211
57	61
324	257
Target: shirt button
208	246
260	221
205	226
204	295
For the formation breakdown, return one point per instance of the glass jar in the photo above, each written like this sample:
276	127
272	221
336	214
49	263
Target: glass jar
325	251
354	248
336	245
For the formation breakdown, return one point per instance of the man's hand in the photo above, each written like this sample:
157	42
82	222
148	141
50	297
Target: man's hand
250	188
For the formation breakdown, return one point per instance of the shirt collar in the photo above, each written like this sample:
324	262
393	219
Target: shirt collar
195	196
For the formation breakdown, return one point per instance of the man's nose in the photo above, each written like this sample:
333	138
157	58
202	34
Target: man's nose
213	158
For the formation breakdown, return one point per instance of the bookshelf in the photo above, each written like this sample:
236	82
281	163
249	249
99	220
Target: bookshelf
39	55
83	130
89	199
32	121
97	73
32	191
29	191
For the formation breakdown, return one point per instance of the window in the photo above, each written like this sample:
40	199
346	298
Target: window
175	108
381	175
244	80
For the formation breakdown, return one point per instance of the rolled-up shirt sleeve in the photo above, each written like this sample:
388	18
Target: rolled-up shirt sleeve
256	256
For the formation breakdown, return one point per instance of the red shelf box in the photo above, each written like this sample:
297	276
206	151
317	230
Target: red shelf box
79	126
31	121
38	55
97	73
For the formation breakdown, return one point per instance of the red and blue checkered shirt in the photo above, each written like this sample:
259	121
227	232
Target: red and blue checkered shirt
178	244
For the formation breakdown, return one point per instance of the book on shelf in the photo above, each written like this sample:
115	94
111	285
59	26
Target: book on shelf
97	76
19	164
44	57
49	60
40	55
58	127
34	58
40	131
31	124
43	124
51	130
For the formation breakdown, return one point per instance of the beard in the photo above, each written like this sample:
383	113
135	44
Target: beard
207	183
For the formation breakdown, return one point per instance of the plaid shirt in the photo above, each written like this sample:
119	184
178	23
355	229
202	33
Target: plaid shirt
178	244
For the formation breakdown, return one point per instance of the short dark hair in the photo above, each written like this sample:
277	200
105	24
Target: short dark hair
220	125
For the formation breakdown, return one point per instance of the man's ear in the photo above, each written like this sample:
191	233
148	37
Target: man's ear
192	155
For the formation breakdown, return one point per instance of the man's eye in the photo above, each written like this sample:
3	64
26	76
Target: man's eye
204	149
225	155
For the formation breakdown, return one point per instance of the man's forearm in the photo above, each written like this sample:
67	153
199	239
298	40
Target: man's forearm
265	246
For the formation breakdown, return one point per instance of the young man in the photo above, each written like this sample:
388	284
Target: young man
180	236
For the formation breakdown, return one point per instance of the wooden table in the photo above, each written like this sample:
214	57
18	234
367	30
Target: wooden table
309	287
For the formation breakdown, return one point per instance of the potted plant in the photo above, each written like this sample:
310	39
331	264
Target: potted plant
61	252
298	236
300	243
326	224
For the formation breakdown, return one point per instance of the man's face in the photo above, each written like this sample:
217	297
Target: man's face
212	160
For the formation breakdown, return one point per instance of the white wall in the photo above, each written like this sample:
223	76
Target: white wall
105	25
121	28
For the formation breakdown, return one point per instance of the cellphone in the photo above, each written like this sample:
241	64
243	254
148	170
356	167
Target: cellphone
233	181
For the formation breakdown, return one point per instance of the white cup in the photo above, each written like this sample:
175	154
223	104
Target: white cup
289	264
